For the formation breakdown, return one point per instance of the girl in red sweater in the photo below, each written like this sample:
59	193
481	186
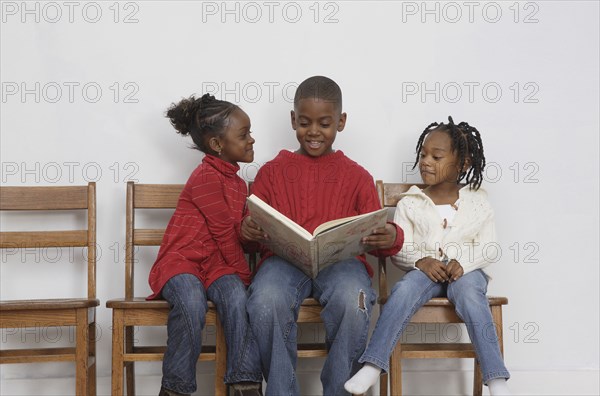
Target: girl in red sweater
201	256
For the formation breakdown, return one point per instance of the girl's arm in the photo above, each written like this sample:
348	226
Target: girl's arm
209	198
411	251
484	250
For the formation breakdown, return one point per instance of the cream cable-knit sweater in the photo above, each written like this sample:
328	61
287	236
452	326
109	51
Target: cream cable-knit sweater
471	239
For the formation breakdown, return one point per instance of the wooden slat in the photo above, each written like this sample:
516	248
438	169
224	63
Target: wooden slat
37	318
148	237
437	351
435	314
43	198
43	239
153	196
310	314
37	355
156	317
390	192
156	353
312	350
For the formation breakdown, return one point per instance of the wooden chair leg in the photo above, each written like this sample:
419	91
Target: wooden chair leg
220	360
383	385
395	373
129	366
118	342
92	359
477	379
497	317
82	352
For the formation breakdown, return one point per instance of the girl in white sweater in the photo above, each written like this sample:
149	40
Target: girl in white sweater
449	238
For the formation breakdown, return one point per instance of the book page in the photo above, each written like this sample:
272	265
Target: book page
286	239
344	241
259	209
335	223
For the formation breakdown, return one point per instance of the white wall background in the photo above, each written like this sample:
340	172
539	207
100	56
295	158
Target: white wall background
85	86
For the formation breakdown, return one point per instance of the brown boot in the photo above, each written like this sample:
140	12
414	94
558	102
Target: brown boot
167	392
247	389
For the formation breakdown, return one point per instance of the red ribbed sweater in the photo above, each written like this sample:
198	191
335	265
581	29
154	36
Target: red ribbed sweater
312	190
203	236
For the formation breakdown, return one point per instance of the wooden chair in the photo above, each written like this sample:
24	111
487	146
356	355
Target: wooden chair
437	310
137	311
79	313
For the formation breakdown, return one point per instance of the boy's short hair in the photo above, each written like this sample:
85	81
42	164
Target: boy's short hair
319	87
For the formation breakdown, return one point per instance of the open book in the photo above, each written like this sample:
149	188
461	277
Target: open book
331	242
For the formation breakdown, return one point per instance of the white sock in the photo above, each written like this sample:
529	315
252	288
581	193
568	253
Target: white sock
498	387
363	380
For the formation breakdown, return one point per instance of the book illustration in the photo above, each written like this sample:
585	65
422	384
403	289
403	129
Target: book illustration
331	242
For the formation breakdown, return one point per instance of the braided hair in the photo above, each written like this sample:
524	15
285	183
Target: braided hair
201	118
466	142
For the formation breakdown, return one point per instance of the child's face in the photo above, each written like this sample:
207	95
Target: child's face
236	143
316	122
438	163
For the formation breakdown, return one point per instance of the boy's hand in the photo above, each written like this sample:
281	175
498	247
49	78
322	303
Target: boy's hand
434	269
454	270
381	238
251	231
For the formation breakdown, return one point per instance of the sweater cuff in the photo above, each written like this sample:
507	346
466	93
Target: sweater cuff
397	243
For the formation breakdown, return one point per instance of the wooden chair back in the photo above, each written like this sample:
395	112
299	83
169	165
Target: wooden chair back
437	310
43	313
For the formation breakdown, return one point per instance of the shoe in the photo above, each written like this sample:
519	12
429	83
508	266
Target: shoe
247	389
167	392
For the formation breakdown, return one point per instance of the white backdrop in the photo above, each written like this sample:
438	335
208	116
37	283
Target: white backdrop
85	86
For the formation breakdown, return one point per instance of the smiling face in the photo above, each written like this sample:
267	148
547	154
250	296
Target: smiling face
235	144
316	122
438	163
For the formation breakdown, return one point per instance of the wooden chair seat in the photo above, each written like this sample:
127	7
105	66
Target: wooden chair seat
58	303
437	310
142	303
79	313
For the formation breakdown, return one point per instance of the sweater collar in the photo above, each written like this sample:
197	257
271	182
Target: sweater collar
465	191
224	167
305	158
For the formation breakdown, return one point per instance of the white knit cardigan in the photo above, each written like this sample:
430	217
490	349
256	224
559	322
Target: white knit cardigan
471	239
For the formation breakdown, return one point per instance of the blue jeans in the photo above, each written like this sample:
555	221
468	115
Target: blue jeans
343	289
187	299
471	304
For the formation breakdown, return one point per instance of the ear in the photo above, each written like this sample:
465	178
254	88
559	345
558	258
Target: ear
342	122
215	145
293	119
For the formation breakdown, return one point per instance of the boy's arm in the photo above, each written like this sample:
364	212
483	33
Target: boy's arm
369	202
224	229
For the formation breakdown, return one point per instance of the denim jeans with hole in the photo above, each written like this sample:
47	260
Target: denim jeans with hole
188	302
343	289
468	294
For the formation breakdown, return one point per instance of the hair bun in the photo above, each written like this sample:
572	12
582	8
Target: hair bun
183	114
